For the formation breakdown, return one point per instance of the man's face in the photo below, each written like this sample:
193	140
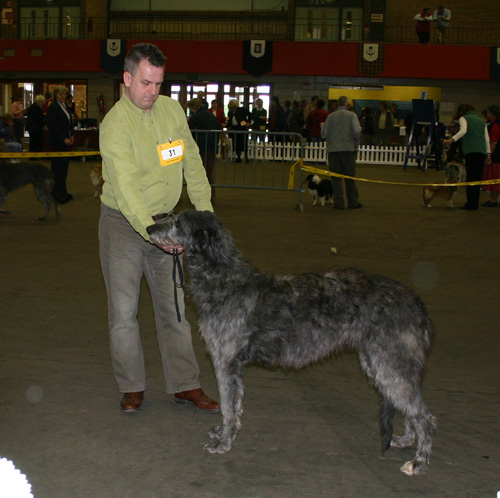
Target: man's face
144	86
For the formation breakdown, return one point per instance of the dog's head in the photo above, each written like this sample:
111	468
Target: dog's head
97	168
312	180
453	172
198	232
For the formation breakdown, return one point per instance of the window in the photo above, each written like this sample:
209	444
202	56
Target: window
344	22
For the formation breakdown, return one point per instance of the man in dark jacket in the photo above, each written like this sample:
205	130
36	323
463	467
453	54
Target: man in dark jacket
202	119
35	123
277	119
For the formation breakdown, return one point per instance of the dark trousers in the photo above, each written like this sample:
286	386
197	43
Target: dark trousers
59	167
208	160
423	37
343	163
36	142
18	127
474	165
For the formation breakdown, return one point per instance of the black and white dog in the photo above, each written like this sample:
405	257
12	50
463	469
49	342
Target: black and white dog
16	175
294	320
319	189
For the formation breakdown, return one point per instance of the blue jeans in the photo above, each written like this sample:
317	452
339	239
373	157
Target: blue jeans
14	146
125	258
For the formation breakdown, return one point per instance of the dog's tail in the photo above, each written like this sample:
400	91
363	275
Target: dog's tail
386	427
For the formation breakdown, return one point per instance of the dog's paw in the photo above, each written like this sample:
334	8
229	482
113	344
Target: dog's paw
216	432
414	468
401	442
218	446
3	211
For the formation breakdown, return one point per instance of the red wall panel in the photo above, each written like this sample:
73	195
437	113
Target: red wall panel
290	58
437	61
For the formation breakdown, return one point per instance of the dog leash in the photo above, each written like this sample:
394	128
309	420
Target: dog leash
177	270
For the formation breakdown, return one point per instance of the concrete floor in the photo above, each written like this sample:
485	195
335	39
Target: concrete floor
312	433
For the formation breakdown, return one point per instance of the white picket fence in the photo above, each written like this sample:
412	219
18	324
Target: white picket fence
316	153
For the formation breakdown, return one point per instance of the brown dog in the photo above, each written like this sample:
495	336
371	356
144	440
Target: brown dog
454	173
96	179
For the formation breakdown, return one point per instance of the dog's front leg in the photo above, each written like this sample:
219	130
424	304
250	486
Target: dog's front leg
231	390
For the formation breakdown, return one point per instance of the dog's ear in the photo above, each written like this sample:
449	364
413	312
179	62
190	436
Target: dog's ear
206	243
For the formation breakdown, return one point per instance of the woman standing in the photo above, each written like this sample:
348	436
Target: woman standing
475	148
423	25
492	171
60	138
384	123
218	112
17	110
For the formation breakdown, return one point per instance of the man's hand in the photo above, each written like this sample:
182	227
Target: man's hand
171	249
164	246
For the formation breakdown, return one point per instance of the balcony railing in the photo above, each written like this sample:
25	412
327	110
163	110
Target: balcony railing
243	27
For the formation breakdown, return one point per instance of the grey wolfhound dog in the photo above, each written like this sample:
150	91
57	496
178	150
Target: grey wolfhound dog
17	175
246	316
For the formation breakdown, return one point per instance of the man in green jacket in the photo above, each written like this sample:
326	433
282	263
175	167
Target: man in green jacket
147	150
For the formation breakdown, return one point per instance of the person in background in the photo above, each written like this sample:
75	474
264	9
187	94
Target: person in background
48	101
218	112
201	96
35	122
308	108
384	123
438	135
442	17
259	116
367	127
423	26
6	133
394	111
295	121
277	119
201	121
316	119
342	132
332	105
148	151
492	170
238	119
17	110
60	138
70	104
475	148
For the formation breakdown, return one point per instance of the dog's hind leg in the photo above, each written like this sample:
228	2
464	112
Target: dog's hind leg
386	418
398	381
419	422
231	391
425	425
43	195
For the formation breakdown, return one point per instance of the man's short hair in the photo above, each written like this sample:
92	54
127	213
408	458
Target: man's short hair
343	101
143	51
195	104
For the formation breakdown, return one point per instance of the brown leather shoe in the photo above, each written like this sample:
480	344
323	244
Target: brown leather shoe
131	402
198	399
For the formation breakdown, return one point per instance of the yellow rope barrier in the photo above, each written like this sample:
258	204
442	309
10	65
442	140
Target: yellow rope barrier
17	155
318	171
